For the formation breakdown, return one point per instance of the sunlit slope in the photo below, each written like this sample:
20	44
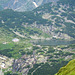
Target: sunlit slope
69	69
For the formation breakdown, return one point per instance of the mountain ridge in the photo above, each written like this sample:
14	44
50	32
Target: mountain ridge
23	5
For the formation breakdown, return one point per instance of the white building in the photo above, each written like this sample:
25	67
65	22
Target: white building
15	40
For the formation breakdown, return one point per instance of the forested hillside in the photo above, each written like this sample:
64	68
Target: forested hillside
56	21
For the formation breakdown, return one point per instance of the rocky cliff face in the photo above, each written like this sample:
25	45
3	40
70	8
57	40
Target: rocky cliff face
22	5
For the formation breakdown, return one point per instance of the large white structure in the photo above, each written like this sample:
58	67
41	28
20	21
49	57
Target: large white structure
15	40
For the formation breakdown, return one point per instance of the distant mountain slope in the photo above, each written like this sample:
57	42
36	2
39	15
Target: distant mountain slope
16	23
58	21
69	69
22	5
61	16
68	2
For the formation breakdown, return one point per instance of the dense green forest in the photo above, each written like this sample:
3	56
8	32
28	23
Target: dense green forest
47	69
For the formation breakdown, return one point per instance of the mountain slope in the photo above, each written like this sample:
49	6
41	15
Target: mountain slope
68	2
69	69
58	21
16	23
48	22
62	18
22	5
